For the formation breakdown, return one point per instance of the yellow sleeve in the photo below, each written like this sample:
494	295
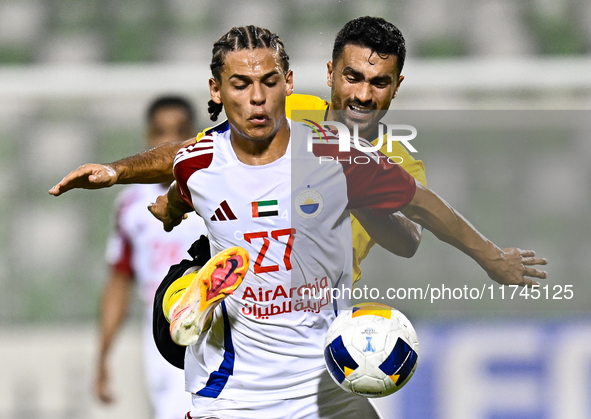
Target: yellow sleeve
362	242
409	163
295	102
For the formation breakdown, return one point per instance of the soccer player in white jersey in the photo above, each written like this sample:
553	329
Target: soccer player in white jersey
354	82
262	355
140	252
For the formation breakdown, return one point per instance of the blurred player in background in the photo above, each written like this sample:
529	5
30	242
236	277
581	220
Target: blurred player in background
140	252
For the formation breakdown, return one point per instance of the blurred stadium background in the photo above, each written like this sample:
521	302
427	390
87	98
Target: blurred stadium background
76	75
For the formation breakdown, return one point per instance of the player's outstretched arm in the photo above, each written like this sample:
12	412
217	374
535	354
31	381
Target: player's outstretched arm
505	266
150	166
395	232
170	208
87	176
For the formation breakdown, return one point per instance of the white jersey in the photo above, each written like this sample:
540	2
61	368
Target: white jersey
291	216
139	247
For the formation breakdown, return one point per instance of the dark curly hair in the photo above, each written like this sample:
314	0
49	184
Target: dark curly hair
374	33
239	38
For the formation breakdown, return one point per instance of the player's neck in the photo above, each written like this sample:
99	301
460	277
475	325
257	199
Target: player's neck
257	152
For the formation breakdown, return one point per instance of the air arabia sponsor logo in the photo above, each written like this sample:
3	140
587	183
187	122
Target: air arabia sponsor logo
263	303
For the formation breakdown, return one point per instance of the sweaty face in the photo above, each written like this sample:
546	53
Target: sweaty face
253	90
169	124
362	83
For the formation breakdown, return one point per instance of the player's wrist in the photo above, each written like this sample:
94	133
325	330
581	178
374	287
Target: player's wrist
491	259
116	172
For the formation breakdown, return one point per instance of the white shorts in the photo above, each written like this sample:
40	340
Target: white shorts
331	404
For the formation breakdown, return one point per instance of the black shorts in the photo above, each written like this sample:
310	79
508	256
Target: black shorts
172	352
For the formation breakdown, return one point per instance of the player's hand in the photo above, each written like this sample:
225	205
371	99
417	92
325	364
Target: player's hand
87	176
102	389
161	210
515	266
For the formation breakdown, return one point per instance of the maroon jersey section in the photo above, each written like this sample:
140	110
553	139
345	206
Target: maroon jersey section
372	181
189	160
123	264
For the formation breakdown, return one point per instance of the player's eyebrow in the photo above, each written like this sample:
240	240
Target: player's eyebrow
246	79
359	75
381	79
353	72
269	75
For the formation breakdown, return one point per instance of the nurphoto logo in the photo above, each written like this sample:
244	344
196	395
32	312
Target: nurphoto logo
345	139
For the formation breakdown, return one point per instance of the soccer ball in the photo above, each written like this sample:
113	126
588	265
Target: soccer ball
371	350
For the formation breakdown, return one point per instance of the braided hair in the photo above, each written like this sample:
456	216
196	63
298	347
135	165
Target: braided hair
239	38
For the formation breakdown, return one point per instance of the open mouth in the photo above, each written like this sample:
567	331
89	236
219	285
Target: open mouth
359	112
259	119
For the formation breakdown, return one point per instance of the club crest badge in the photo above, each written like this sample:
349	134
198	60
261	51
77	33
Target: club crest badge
309	203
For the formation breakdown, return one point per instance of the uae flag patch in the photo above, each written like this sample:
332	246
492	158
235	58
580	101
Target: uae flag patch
268	208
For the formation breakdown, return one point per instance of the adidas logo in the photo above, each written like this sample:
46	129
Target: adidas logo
223	213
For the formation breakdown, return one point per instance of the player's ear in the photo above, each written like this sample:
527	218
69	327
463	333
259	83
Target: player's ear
214	91
289	83
397	86
329	73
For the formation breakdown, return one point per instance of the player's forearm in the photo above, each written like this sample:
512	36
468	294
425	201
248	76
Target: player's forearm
150	166
449	226
395	233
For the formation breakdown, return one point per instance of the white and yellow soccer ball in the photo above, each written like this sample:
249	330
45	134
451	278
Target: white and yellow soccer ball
371	349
